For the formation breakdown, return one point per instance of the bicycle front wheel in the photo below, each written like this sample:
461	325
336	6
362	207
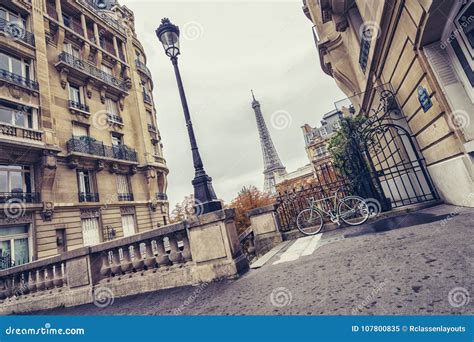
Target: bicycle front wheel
353	210
309	222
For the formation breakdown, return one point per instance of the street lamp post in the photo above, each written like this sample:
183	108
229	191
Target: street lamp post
204	195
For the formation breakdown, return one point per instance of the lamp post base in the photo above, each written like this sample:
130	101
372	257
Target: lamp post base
204	195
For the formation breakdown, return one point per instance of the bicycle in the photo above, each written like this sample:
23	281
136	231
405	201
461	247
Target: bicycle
351	210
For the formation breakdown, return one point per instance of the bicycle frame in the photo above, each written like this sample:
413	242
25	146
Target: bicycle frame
333	214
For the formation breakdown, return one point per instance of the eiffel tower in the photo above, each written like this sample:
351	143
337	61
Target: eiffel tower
271	161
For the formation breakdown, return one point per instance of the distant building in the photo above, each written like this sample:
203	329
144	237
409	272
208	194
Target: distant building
317	141
301	177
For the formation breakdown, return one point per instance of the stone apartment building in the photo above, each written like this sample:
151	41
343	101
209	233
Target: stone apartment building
316	145
81	155
422	51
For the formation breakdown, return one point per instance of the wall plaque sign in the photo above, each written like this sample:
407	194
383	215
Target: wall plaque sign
424	98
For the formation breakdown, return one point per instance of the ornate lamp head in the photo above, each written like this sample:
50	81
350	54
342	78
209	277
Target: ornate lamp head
168	34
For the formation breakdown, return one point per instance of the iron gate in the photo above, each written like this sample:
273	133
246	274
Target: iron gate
397	167
388	168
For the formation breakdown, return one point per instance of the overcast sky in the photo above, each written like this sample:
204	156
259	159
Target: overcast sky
228	48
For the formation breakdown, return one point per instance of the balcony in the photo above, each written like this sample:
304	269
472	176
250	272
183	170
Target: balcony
88	197
114	119
18	80
161	196
23	197
87	70
20	132
147	98
78	108
125	197
152	128
143	68
94	147
16	31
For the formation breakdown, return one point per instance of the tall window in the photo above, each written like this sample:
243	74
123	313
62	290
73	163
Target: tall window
111	106
150	117
14	246
75	93
15	179
117	139
17	66
86	187
79	130
128	224
16	115
90	231
123	188
72	50
11	16
145	88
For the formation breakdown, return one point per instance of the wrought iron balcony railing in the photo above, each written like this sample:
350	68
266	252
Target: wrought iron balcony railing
16	31
88	197
112	118
91	70
23	197
94	147
142	67
21	81
6	261
146	97
77	105
161	196
125	197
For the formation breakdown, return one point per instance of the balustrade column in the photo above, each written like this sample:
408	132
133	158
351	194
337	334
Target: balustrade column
162	258
149	261
127	259
138	262
175	255
115	266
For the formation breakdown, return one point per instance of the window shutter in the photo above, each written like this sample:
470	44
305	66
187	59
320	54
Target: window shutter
441	64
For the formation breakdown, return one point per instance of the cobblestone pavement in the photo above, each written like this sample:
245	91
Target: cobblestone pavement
416	264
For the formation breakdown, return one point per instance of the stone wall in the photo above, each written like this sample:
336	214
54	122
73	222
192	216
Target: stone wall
203	249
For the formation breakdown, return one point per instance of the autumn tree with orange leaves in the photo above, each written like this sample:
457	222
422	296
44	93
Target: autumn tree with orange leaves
248	198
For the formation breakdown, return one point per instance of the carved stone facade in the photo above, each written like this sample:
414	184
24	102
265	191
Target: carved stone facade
77	140
419	49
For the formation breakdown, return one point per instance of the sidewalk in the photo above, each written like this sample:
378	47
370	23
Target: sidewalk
416	264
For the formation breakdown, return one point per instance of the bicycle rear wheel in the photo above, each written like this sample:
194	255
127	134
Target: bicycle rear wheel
309	222
353	210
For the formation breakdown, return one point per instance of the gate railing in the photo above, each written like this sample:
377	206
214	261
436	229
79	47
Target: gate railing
290	203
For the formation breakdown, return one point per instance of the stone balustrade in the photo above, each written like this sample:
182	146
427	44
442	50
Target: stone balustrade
202	249
265	229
